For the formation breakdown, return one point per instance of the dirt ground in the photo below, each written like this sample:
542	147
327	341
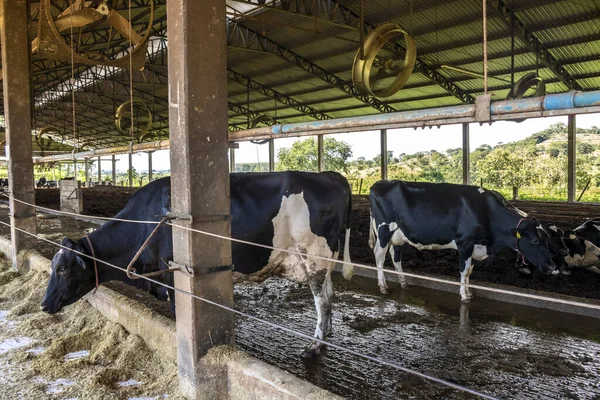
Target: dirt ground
73	354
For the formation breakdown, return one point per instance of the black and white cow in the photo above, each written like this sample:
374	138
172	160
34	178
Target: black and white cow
583	244
430	216
300	211
558	250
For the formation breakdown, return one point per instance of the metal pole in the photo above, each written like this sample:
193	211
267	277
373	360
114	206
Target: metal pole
271	155
320	154
75	170
466	158
571	160
99	170
197	42
86	169
130	171
485	56
232	160
16	80
114	170
384	158
150	166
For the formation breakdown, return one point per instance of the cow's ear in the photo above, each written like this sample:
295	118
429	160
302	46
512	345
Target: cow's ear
67	243
516	233
80	261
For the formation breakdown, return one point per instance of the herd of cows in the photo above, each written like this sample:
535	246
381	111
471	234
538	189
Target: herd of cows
310	213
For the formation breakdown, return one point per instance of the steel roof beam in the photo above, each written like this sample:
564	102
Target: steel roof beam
535	45
247	38
273	94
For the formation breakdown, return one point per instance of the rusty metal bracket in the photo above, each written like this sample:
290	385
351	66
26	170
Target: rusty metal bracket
181	268
130	268
71	194
177	215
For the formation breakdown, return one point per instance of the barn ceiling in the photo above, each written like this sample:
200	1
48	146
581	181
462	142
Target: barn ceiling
292	60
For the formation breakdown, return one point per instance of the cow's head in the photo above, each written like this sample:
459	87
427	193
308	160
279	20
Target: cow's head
556	243
581	252
71	278
532	241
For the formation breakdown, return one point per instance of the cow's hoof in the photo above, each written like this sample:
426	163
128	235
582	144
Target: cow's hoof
565	272
310	353
525	271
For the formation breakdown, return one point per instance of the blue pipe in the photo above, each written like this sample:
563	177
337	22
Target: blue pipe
551	102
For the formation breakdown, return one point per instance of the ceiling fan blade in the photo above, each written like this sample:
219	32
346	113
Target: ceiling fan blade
121	24
78	19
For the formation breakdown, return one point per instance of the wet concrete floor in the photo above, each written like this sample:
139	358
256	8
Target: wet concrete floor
501	349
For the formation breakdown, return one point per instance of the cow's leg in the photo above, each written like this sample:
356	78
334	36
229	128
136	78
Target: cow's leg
380	253
396	253
466	267
322	289
595	269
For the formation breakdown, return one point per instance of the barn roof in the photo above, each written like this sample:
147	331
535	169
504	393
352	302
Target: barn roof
292	60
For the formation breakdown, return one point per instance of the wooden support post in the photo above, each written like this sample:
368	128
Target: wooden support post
16	50
232	160
320	154
150	166
384	158
271	155
466	151
130	170
200	188
99	170
114	169
571	160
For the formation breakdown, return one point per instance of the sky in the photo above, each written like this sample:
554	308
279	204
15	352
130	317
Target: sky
409	141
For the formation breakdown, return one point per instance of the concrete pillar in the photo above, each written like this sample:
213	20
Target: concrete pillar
320	154
130	170
150	166
466	158
572	160
99	170
200	188
232	160
271	155
16	50
384	159
114	170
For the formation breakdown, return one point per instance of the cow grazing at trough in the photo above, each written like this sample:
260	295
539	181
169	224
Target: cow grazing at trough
558	250
471	220
299	211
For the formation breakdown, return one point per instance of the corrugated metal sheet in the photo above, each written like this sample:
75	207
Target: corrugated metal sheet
446	32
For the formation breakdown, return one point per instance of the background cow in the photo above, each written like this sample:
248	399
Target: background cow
558	251
430	216
300	211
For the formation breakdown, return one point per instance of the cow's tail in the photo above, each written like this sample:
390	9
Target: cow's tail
348	269
372	232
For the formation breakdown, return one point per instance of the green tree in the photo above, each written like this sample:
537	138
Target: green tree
302	156
585	148
505	169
